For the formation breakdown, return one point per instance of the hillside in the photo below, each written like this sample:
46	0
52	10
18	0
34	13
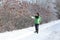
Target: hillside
16	15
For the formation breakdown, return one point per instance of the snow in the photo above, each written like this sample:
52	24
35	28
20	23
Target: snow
48	31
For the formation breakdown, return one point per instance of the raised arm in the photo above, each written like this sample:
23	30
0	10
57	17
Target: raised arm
32	17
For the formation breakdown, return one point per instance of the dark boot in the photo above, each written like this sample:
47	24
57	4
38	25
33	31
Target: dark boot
37	31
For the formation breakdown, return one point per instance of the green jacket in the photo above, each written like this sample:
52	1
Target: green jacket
38	20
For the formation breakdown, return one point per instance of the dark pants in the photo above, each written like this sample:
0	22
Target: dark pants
37	27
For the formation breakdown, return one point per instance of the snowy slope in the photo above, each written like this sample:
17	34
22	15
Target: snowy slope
48	31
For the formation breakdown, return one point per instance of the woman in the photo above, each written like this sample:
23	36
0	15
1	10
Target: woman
37	21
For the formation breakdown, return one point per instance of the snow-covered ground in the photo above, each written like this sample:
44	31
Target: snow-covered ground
48	31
